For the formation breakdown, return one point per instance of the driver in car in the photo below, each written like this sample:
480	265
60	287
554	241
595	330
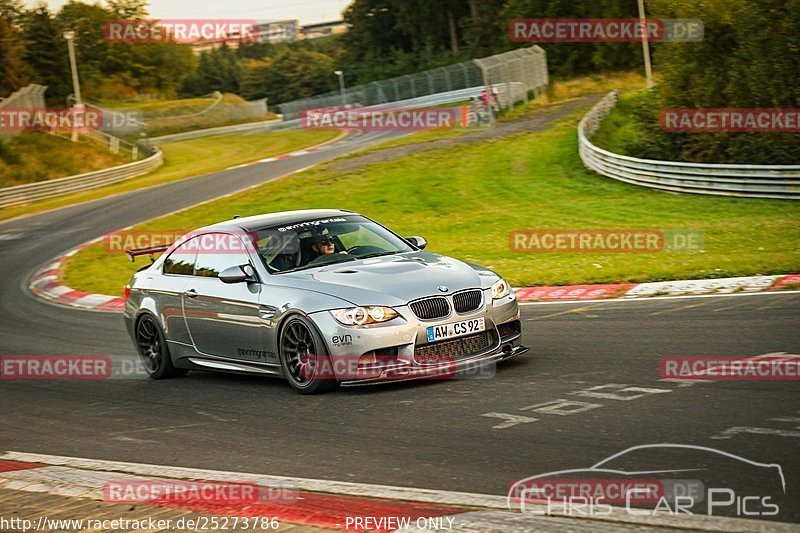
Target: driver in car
324	245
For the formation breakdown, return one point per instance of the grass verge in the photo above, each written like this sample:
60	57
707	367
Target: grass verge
181	161
164	117
619	129
37	156
466	200
558	92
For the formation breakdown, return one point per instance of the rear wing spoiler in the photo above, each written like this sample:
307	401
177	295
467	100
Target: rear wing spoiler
145	251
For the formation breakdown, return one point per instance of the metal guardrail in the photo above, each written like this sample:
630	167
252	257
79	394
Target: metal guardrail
247	127
751	181
21	194
449	97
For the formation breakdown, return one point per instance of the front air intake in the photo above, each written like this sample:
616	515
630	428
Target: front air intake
430	308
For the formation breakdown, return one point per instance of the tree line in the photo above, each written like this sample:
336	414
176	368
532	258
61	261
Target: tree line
386	38
749	58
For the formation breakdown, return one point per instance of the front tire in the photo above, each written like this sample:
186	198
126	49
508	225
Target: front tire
153	349
303	358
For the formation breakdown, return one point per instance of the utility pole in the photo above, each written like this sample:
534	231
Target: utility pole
648	68
341	86
76	85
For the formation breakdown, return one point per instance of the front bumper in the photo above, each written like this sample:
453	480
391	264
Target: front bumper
468	367
403	352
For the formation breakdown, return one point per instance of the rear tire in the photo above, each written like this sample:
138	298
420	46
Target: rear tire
153	350
298	344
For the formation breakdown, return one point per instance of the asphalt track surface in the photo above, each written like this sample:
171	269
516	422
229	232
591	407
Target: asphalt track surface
463	435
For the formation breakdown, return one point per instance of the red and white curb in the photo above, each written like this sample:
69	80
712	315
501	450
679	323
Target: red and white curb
46	284
747	284
296	153
339	505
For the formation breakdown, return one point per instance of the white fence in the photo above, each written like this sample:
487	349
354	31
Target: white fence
752	181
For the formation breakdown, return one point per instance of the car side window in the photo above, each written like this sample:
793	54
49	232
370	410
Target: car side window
181	261
211	260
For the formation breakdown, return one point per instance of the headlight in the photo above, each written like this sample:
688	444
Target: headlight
500	289
360	316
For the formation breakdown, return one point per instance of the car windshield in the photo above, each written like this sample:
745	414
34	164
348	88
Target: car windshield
320	242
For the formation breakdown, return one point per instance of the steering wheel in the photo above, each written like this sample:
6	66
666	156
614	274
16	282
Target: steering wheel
364	250
329	259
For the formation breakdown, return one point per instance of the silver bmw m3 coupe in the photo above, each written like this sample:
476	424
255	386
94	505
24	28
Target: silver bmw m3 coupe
321	298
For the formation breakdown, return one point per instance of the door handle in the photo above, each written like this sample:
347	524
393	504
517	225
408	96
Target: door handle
191	293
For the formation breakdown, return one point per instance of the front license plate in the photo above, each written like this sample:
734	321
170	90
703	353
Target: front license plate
456	329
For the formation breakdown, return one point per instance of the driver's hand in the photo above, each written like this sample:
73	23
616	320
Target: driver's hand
343	252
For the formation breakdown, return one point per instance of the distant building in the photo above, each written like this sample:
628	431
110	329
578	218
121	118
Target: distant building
323	29
279	31
276	31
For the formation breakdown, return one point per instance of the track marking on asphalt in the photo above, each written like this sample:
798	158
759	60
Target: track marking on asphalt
622	393
730	432
789	419
123	438
593	308
215	417
579	310
741	304
658	298
165	429
763	431
680	308
562	407
773	303
510	420
683	382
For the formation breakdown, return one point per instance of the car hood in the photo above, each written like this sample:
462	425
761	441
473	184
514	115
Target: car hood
391	280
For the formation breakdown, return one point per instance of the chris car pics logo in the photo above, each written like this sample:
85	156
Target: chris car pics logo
682	480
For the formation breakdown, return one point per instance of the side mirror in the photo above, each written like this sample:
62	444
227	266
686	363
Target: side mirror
419	242
237	274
